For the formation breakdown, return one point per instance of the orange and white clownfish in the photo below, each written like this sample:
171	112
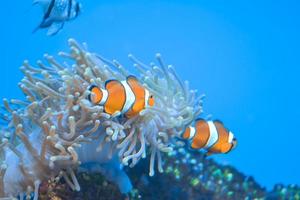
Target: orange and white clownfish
128	97
211	136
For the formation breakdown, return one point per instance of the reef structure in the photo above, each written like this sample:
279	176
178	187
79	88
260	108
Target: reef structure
56	131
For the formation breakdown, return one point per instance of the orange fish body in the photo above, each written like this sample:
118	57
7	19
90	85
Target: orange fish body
128	97
142	97
211	136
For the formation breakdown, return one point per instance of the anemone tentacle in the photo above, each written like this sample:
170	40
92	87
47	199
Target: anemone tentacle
56	129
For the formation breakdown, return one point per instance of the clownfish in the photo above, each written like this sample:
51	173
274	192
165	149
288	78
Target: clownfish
128	97
211	136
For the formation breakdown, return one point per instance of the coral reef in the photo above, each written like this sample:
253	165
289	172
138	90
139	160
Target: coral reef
191	175
188	175
93	186
56	130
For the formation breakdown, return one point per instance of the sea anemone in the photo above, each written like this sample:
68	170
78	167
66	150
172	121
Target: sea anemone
56	130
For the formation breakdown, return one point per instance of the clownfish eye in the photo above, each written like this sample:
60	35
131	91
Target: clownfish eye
151	100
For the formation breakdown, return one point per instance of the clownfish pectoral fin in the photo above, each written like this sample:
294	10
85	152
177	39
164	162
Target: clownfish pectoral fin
230	147
117	96
208	153
226	148
202	134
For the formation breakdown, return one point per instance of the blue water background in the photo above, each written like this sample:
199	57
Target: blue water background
244	55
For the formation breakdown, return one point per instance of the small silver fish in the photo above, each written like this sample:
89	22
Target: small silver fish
56	13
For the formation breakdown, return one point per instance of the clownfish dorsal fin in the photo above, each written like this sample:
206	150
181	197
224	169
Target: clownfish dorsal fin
219	121
132	80
110	81
199	119
131	77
